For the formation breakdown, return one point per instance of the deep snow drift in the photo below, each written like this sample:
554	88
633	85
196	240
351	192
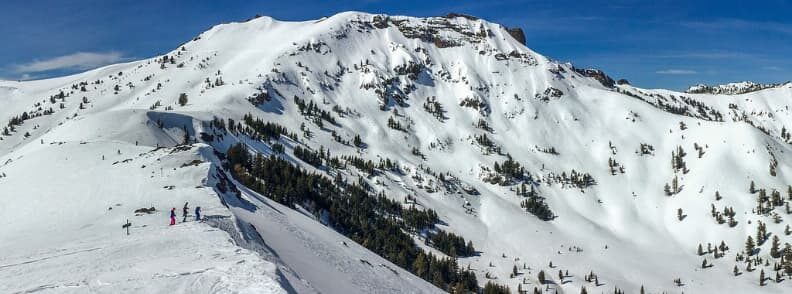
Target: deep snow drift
420	92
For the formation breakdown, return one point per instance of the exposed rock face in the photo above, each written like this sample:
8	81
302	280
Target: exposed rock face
598	75
455	15
622	82
517	34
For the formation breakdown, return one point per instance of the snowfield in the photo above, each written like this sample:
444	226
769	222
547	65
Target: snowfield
65	236
81	153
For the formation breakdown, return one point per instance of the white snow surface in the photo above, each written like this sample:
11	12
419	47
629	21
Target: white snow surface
58	233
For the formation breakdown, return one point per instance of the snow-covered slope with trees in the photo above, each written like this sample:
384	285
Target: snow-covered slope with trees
420	139
731	88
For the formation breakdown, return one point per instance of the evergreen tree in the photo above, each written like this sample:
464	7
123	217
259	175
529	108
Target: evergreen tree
421	266
358	143
736	271
183	99
761	278
774	248
749	246
541	277
492	288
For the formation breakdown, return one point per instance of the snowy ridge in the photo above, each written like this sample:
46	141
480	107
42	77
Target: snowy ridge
445	99
731	88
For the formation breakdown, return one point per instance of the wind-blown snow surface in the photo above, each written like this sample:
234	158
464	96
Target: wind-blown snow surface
56	190
63	207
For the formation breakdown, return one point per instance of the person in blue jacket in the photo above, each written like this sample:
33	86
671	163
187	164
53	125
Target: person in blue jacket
197	213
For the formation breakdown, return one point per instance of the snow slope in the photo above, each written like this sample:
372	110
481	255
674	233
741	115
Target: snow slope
62	211
366	69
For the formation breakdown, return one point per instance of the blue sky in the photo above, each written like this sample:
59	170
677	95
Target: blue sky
654	44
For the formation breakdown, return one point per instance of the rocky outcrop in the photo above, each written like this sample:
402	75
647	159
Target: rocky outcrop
598	75
517	34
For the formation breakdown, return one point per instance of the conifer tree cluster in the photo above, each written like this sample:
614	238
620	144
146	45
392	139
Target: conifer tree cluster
766	204
451	244
614	166
678	161
357	141
432	106
646	149
538	207
312	110
785	134
260	98
182	99
699	149
14	122
728	212
511	170
493	288
376	222
487	144
483	125
574	179
309	156
265	130
395	124
549	150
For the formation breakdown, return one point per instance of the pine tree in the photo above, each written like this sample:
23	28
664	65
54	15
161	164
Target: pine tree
642	290
749	246
420	265
736	271
761	278
183	99
760	234
583	290
541	277
358	143
752	188
774	248
700	250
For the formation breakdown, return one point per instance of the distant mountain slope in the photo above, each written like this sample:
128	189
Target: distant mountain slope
731	88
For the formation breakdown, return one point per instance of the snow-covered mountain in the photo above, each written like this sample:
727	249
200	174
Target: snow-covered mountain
442	135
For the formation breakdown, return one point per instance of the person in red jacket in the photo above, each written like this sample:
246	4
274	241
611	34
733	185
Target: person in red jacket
173	216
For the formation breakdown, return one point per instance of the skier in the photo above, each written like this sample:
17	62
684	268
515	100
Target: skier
184	212
173	216
197	213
